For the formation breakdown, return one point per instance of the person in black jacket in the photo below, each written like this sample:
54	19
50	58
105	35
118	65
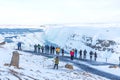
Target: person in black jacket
95	56
53	50
80	52
91	53
35	48
85	52
42	48
62	52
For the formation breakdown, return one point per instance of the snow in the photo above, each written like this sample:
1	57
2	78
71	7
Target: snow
39	67
110	33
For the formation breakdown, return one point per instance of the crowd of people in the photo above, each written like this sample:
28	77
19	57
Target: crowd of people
74	53
82	54
38	48
46	49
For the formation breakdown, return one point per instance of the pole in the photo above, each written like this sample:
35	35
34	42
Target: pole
119	61
106	59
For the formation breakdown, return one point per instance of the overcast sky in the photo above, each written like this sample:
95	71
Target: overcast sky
59	11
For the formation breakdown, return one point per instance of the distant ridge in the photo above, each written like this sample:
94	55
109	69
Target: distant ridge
19	26
85	25
18	31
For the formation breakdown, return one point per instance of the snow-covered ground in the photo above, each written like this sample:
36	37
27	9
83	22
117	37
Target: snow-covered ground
35	67
41	68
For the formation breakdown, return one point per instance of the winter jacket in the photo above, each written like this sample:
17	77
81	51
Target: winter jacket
35	46
62	50
72	53
95	54
39	46
58	50
56	60
19	44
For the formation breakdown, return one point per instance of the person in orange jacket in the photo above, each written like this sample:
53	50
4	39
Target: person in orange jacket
57	50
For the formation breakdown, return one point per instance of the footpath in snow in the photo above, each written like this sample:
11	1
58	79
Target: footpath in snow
82	64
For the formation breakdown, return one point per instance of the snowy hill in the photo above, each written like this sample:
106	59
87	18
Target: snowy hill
36	67
90	38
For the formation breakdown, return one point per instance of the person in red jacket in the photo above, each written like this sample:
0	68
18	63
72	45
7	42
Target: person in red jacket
72	54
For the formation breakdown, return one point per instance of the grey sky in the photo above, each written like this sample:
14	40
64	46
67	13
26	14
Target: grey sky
59	11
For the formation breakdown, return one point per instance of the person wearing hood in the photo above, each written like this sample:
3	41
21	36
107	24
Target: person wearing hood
56	62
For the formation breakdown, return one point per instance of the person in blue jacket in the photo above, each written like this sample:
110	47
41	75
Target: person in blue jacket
75	53
19	46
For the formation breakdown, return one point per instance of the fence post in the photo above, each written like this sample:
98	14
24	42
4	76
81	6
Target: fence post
119	61
106	59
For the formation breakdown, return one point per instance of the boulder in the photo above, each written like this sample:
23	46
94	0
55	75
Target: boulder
114	66
69	66
2	43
